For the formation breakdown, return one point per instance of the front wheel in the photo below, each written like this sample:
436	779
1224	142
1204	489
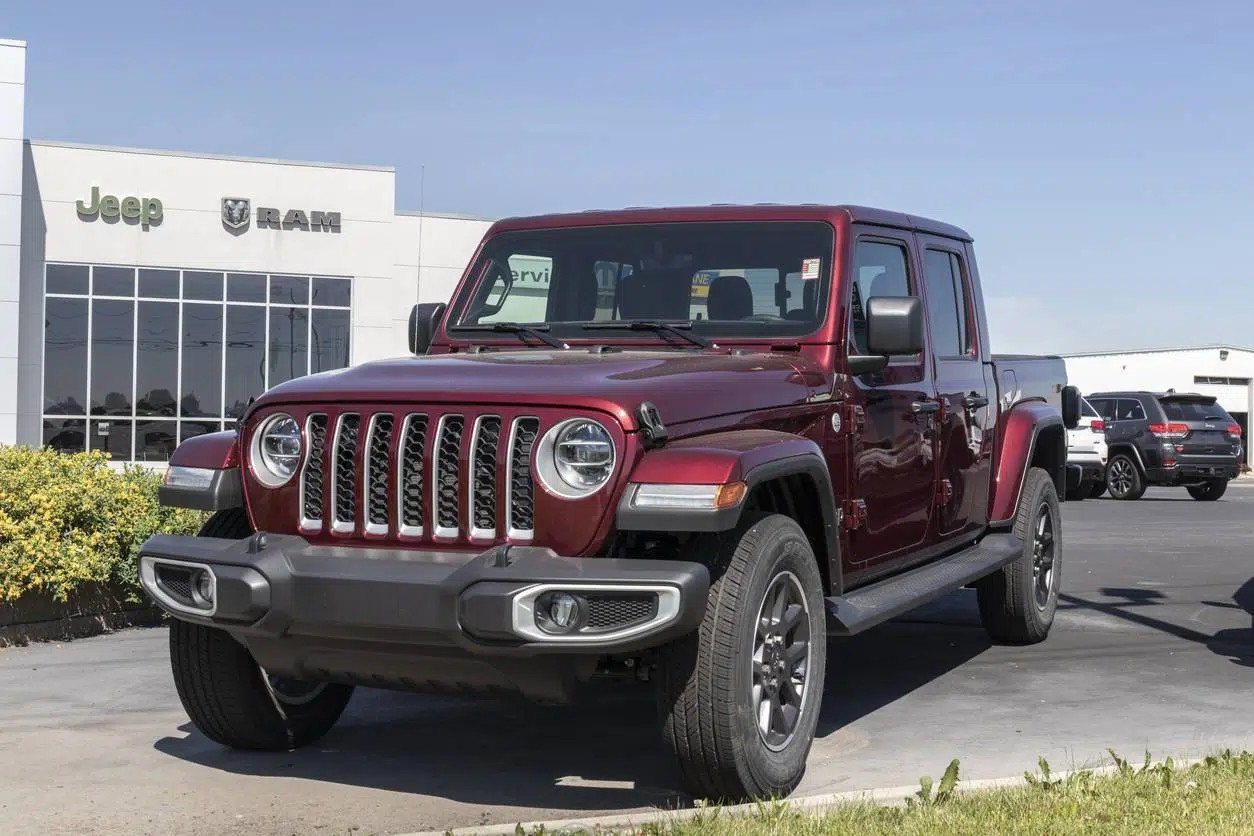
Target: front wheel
228	697
740	697
1209	491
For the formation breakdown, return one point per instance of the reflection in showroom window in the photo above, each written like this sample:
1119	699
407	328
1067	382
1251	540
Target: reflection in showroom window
137	360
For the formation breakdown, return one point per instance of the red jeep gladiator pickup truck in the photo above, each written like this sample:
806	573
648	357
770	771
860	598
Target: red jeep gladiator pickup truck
674	445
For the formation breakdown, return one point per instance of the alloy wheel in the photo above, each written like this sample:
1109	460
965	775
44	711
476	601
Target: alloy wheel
289	691
1121	476
781	660
1043	554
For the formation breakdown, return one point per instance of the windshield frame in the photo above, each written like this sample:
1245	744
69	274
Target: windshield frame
586	332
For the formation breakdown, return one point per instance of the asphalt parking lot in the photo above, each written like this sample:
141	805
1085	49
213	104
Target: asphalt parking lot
1153	650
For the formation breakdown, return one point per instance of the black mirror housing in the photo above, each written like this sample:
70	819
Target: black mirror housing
1070	407
894	325
423	320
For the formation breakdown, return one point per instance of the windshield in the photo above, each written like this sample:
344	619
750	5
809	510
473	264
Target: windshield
727	279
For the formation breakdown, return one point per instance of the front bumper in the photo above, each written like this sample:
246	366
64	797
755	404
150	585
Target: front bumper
419	619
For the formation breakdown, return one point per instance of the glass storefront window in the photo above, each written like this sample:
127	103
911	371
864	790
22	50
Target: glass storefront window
137	360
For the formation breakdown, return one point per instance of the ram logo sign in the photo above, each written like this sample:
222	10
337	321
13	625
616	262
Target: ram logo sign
237	212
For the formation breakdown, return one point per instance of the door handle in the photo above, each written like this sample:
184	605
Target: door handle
974	401
921	407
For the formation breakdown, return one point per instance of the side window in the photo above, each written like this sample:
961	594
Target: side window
946	303
879	270
1105	409
1130	410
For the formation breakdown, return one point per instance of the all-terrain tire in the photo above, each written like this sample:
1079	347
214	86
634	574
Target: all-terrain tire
1097	488
707	695
226	694
1210	491
1011	609
1124	479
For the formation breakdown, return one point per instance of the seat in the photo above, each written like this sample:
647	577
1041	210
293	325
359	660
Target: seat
730	297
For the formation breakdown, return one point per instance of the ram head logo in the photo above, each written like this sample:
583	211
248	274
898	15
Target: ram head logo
235	212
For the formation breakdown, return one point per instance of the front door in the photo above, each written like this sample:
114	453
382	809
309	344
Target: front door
891	458
964	451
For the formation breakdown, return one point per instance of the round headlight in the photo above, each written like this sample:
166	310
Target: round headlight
276	450
576	458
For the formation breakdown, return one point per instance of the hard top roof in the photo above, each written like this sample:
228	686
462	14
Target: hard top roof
733	212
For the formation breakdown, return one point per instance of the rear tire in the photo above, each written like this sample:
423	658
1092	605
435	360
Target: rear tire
740	697
1124	479
1097	488
1210	491
1080	492
1018	602
228	697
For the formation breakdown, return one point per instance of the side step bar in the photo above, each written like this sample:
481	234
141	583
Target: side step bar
864	608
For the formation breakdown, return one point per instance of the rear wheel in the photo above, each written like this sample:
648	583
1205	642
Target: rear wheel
740	697
1209	491
233	701
1124	479
1018	602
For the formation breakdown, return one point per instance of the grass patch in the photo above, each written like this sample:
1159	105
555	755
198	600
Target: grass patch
1212	797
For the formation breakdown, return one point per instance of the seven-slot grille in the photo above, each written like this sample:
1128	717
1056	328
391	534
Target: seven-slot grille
417	475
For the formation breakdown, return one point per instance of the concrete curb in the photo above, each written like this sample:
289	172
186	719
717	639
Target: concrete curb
814	803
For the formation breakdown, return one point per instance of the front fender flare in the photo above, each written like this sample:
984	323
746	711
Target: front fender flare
1020	443
748	457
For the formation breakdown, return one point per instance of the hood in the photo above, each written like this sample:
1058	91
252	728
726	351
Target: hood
683	385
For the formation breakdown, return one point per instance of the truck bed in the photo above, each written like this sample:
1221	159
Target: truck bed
1027	376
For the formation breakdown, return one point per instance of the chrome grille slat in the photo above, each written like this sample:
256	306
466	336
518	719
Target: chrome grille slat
344	473
409	485
375	487
458	476
446	473
485	444
521	523
311	494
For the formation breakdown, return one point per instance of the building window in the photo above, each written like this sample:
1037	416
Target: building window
137	360
1212	380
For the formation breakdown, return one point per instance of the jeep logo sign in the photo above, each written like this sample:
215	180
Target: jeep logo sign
145	210
236	213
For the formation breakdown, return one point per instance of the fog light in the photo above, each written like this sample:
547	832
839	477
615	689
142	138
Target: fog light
203	588
560	612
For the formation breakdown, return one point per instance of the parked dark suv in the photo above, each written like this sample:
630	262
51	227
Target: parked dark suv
1169	439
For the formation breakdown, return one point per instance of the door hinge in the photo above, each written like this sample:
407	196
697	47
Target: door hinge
853	416
853	513
944	492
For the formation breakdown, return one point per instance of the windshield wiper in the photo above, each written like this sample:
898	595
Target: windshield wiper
646	325
515	328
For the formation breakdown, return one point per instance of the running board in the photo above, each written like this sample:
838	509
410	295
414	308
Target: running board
871	605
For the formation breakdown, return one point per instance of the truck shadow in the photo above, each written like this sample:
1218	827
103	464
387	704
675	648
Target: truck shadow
603	754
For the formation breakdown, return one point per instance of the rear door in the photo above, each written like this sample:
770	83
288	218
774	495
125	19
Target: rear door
963	422
1199	427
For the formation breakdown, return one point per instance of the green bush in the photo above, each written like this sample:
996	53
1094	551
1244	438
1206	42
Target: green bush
70	519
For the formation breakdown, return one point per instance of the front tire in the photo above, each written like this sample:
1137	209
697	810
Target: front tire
1124	479
740	697
1209	491
229	698
1018	602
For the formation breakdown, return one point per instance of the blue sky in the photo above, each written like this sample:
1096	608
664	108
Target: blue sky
1099	152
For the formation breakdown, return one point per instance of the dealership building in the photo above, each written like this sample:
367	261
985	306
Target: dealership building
145	296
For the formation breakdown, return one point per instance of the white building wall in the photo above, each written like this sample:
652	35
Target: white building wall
432	251
12	118
1162	370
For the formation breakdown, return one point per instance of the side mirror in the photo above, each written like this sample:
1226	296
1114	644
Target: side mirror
1070	407
894	326
423	320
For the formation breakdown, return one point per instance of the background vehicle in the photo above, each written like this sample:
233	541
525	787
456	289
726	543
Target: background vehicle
1168	439
730	428
1087	449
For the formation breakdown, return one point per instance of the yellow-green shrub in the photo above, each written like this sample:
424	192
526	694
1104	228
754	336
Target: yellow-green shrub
70	519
